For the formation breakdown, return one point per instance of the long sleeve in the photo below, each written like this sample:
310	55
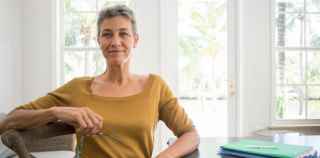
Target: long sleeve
59	97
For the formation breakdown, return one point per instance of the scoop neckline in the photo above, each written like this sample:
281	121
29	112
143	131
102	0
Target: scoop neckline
143	91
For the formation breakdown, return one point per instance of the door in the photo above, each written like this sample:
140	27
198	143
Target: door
203	69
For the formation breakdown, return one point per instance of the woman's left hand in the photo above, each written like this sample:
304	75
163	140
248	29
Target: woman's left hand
185	144
164	155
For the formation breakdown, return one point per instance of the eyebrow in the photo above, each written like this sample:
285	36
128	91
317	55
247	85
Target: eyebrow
110	30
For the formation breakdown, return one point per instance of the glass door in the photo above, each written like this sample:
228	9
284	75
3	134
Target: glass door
204	84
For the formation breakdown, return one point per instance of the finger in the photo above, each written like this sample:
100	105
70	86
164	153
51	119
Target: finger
101	126
99	117
81	124
96	119
100	121
90	127
81	121
95	131
97	124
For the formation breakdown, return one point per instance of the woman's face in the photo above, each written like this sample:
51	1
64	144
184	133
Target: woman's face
117	39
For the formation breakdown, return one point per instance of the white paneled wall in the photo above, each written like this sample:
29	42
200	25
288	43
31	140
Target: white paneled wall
10	54
37	38
255	65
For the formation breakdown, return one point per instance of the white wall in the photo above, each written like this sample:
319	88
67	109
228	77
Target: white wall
146	55
255	65
37	34
10	54
25	49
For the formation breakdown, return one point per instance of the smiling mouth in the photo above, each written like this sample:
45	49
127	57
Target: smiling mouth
115	51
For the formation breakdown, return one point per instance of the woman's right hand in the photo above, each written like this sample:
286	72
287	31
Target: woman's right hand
84	120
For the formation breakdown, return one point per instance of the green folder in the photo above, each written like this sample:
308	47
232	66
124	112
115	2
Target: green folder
266	148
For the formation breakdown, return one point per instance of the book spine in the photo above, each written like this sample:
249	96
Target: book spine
311	154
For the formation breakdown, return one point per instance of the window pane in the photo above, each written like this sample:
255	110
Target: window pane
202	64
289	5
80	30
313	31
96	63
313	5
290	103
290	67
83	5
314	102
289	30
74	64
313	70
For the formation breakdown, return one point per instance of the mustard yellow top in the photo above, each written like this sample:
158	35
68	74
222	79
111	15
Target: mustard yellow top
129	122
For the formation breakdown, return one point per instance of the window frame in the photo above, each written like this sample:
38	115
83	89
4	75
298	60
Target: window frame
274	48
57	38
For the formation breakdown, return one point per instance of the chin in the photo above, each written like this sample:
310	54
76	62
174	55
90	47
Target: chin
116	62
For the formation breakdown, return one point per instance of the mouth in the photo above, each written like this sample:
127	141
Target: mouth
115	51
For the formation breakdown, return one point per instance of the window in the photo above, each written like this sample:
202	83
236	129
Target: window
297	55
202	64
80	53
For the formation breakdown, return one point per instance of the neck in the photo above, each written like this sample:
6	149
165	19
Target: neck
119	74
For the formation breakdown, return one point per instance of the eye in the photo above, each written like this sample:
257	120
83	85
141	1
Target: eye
124	34
106	34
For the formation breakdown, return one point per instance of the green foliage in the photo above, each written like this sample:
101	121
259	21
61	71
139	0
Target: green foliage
70	16
313	74
199	24
67	69
280	106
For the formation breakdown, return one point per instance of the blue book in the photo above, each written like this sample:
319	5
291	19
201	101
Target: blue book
226	152
264	149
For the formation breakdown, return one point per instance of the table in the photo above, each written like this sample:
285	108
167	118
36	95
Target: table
209	146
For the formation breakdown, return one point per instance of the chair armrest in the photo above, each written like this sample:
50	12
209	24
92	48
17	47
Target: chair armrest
49	130
23	141
13	140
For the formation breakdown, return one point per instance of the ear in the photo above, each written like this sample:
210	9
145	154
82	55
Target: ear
135	40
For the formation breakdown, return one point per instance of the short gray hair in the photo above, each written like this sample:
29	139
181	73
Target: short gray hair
116	10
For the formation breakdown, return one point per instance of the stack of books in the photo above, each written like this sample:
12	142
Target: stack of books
247	148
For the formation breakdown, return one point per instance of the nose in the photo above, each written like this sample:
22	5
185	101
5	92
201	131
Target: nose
115	41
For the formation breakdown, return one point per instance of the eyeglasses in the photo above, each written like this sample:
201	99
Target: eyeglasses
80	144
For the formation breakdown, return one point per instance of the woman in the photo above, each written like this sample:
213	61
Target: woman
116	112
